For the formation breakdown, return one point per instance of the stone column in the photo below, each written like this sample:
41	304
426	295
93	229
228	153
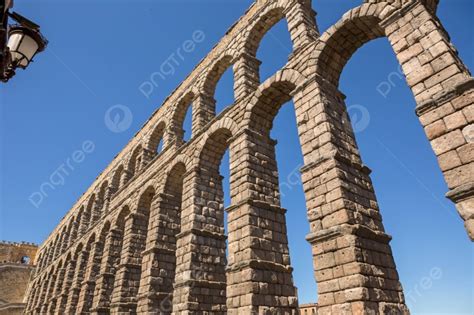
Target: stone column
45	303
42	295
353	262
247	75
65	290
259	273
204	110
56	290
104	283
127	278
155	295
126	176
96	209
148	156
200	256
444	92
73	294
302	24
88	285
74	234
33	295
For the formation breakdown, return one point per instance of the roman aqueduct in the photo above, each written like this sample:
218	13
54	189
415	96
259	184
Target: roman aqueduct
148	235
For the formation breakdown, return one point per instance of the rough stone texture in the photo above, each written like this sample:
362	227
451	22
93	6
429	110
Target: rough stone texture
15	270
148	236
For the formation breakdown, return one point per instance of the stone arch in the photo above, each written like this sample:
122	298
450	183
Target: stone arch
214	74
90	213
159	259
63	240
125	292
267	100
116	182
156	136
56	289
119	220
102	197
82	221
271	16
74	227
176	128
300	19
55	247
134	164
337	45
110	262
440	82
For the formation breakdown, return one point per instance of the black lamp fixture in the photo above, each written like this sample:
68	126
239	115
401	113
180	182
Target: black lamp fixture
19	42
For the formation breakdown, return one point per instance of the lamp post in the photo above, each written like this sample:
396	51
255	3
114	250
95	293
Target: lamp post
19	43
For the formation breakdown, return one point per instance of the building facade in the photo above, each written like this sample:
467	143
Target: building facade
308	309
16	268
148	235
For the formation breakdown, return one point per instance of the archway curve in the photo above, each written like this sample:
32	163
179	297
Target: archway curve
89	212
271	15
119	220
156	136
223	125
178	114
180	159
116	178
135	161
337	45
275	91
214	74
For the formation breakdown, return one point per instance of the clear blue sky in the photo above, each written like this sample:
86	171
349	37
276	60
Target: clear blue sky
100	52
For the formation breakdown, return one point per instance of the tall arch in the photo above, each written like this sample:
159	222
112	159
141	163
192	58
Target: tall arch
135	161
201	244
103	198
159	260
92	211
82	257
441	84
125	292
86	294
177	120
109	264
156	137
117	180
205	104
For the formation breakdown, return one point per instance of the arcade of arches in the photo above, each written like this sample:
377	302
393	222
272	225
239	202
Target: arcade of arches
148	235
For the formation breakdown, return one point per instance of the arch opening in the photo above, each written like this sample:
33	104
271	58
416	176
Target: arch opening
155	142
182	121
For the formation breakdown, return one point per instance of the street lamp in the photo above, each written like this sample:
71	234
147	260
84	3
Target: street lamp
19	43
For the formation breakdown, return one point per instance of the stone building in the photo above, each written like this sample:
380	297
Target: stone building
148	235
16	267
308	309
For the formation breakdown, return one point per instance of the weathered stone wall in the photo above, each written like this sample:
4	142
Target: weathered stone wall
16	268
16	252
148	235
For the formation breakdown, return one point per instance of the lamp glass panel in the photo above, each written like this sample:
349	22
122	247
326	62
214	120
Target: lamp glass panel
28	48
22	45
